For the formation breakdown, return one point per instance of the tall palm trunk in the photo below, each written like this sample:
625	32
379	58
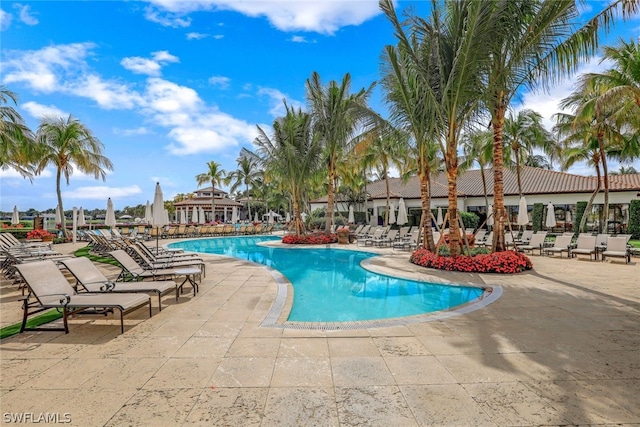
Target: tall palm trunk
425	217
498	180
248	201
587	208
297	218
452	183
386	181
605	172
329	215
213	203
63	226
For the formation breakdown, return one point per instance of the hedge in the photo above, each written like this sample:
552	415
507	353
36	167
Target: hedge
536	216
580	207
634	219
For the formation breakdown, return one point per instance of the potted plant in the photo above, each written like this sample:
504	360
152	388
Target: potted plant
343	235
40	234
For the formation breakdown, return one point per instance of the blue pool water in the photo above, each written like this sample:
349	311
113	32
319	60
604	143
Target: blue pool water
331	286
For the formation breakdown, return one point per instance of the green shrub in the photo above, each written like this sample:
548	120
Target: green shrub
580	207
634	219
536	216
470	220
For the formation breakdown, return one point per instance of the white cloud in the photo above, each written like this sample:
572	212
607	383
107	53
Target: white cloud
150	67
5	20
196	36
101	192
221	81
13	174
109	95
40	69
276	97
132	132
25	14
218	36
301	39
39	111
167	20
324	17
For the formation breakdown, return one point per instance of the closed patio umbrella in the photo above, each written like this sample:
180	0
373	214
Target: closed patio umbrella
58	215
351	215
439	220
288	217
158	217
201	217
148	215
402	213
110	216
392	214
194	215
234	215
183	216
255	217
523	218
551	216
81	221
490	219
15	216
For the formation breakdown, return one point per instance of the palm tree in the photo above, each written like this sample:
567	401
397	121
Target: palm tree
16	139
535	42
214	175
247	174
477	147
291	155
445	57
625	170
65	144
335	115
522	134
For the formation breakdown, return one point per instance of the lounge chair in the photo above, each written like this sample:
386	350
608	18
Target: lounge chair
617	248
92	280
131	270
586	245
376	237
562	244
50	289
536	243
153	263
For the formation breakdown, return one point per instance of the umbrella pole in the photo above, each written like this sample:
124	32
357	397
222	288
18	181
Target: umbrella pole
157	238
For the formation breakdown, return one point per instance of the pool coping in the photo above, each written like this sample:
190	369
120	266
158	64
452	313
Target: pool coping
283	302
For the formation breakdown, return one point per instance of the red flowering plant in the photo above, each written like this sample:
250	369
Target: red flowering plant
497	262
38	234
310	239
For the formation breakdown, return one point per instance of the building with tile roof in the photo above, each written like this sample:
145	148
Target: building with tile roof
544	186
202	198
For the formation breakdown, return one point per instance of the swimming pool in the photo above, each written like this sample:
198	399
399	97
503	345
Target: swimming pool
330	285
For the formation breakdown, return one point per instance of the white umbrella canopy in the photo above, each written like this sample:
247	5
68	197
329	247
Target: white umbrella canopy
166	217
392	214
351	219
158	218
183	216
201	217
288	217
15	216
439	220
490	216
255	217
110	216
402	213
81	221
148	215
234	215
523	218
194	215
567	217
551	216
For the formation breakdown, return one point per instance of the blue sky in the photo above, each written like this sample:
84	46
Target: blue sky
169	85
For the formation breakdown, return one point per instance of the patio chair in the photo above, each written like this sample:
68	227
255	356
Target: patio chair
376	237
149	261
50	289
91	279
536	243
617	248
389	238
562	244
131	270
586	245
526	236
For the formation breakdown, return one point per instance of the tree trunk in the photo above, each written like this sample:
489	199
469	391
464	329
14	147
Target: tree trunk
605	173
248	201
213	203
63	225
425	217
587	208
498	181
329	215
297	219
452	183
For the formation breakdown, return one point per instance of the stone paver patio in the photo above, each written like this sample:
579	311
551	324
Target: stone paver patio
560	346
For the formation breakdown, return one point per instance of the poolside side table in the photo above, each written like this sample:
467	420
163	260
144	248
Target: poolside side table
189	276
